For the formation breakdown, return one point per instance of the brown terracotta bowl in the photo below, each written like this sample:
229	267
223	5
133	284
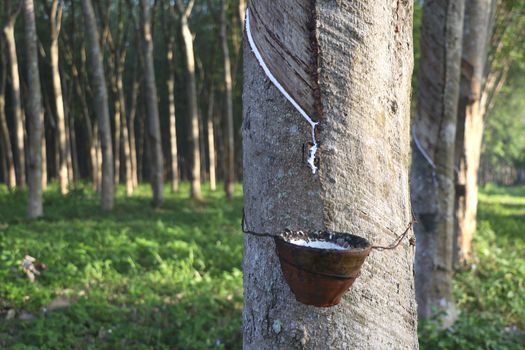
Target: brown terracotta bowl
321	266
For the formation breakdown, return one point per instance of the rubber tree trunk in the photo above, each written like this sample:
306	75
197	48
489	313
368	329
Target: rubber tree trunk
152	110
470	121
44	157
117	118
101	106
211	141
362	184
432	181
125	141
55	20
242	11
10	172
192	108
228	108
170	84
34	114
20	158
132	139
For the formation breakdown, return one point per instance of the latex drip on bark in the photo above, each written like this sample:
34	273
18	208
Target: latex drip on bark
312	151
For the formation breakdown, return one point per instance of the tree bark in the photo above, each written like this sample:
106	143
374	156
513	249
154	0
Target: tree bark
10	173
132	139
55	18
34	114
362	184
20	159
73	151
194	138
44	157
211	141
153	123
476	34
170	84
101	105
117	118
126	148
228	106
434	128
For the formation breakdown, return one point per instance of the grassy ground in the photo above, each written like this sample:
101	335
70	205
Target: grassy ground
490	293
137	278
140	278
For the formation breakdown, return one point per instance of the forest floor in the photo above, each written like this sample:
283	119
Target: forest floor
170	278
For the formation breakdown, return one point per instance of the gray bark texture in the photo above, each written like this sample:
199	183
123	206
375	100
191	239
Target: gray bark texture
153	123
10	173
101	105
362	185
191	84
476	34
55	18
433	190
34	115
125	142
211	140
170	84
228	106
132	141
19	129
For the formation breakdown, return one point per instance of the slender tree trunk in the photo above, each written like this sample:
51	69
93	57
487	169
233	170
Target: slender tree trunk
470	121
44	158
132	139
125	137
96	153
34	115
118	127
73	152
228	106
92	155
142	142
361	186
3	162
90	132
211	141
170	84
173	134
193	109
10	173
434	128
150	92
56	19
202	139
101	104
20	159
242	12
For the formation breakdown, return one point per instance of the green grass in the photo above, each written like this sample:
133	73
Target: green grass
491	293
170	278
137	278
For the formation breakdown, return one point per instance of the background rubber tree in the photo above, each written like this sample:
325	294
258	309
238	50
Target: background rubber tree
19	120
101	106
184	11
34	114
55	21
432	175
491	30
152	110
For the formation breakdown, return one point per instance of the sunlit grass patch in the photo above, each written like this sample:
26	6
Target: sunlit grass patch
137	277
